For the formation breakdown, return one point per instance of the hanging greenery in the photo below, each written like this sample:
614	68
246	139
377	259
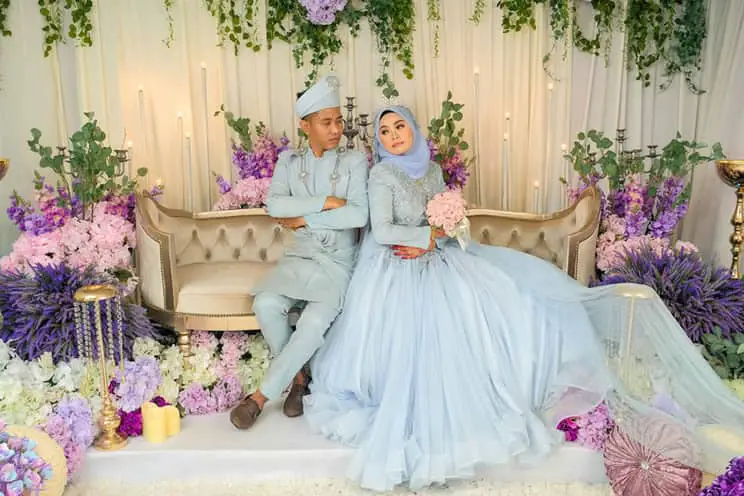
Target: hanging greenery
306	31
670	32
80	24
235	22
4	8
168	6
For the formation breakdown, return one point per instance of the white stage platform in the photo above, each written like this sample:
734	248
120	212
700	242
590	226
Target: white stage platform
278	449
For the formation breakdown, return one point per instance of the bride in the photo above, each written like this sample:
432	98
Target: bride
445	359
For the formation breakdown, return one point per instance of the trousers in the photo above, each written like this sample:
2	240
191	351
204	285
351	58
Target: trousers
290	350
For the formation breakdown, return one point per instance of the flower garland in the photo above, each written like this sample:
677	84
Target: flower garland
64	399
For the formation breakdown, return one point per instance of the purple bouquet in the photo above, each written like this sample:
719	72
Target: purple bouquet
729	483
590	430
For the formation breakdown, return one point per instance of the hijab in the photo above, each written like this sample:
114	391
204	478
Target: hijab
415	162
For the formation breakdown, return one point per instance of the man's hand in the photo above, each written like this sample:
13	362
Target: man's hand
333	202
410	252
292	223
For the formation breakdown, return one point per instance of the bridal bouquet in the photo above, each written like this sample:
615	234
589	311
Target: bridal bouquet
447	211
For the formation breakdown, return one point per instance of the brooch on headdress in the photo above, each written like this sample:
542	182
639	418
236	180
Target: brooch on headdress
333	82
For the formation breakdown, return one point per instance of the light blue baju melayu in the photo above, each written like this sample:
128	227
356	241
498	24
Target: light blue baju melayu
315	270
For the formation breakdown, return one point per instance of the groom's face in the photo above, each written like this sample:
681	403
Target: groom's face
324	128
395	134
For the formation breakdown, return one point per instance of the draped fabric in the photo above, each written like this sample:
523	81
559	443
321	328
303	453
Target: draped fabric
138	87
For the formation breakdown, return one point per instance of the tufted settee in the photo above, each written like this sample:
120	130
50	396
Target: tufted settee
196	269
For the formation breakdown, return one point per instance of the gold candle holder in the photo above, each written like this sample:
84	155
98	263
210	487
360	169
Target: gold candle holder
92	339
731	172
4	166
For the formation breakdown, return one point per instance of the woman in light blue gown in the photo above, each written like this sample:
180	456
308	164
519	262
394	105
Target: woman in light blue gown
445	359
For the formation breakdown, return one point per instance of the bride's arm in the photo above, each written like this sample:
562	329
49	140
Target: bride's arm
384	229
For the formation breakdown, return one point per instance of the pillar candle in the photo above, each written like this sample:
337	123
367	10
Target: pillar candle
153	423
536	197
172	420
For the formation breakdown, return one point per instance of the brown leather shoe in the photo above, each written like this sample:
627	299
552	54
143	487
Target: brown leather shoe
245	414
293	404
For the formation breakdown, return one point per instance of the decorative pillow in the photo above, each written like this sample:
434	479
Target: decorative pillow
51	453
635	470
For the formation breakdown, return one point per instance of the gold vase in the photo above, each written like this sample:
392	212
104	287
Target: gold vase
731	172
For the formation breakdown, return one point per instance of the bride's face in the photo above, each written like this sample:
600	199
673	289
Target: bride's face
395	134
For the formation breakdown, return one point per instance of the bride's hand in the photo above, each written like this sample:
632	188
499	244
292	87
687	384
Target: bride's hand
437	232
409	252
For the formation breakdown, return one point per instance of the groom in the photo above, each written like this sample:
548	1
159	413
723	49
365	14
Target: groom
321	194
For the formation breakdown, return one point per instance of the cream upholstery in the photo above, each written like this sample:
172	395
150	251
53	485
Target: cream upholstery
567	238
196	270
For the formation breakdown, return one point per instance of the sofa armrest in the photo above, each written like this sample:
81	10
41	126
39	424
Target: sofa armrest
566	239
155	260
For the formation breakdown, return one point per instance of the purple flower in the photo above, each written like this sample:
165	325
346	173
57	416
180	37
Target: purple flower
141	380
224	185
700	295
77	414
323	12
729	483
131	423
454	168
38	312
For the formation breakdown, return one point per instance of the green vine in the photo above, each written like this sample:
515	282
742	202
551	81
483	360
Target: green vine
478	10
80	26
53	27
434	15
287	21
168	6
235	22
393	24
670	32
4	8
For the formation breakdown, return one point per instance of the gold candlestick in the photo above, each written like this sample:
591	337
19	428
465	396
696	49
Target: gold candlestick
90	299
731	172
4	166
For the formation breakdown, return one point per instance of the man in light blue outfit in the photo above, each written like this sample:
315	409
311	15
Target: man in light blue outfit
321	194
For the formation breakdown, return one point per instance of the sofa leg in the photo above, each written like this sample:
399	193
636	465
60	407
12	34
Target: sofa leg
184	340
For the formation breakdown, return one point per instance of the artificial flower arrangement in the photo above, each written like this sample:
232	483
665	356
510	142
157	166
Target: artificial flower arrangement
22	471
590	430
76	232
64	399
729	483
448	212
642	204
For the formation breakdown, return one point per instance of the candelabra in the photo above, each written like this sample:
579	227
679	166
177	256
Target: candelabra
355	126
96	341
731	172
628	157
4	166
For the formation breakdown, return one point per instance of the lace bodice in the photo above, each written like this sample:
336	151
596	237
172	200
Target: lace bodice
410	196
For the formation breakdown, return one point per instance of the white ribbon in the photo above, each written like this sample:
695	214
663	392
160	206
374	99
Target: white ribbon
461	233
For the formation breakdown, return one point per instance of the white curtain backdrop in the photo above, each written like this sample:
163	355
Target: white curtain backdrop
138	87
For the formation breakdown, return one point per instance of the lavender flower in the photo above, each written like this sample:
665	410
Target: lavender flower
701	296
38	311
729	483
323	12
454	169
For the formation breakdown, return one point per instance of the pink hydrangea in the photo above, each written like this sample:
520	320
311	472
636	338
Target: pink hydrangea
105	242
245	193
446	210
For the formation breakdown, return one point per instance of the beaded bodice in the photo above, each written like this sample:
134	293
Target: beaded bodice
410	196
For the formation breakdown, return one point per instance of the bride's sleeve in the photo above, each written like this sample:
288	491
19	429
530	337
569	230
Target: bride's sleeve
384	230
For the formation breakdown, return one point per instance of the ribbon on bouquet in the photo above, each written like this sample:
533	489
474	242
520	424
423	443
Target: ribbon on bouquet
461	233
